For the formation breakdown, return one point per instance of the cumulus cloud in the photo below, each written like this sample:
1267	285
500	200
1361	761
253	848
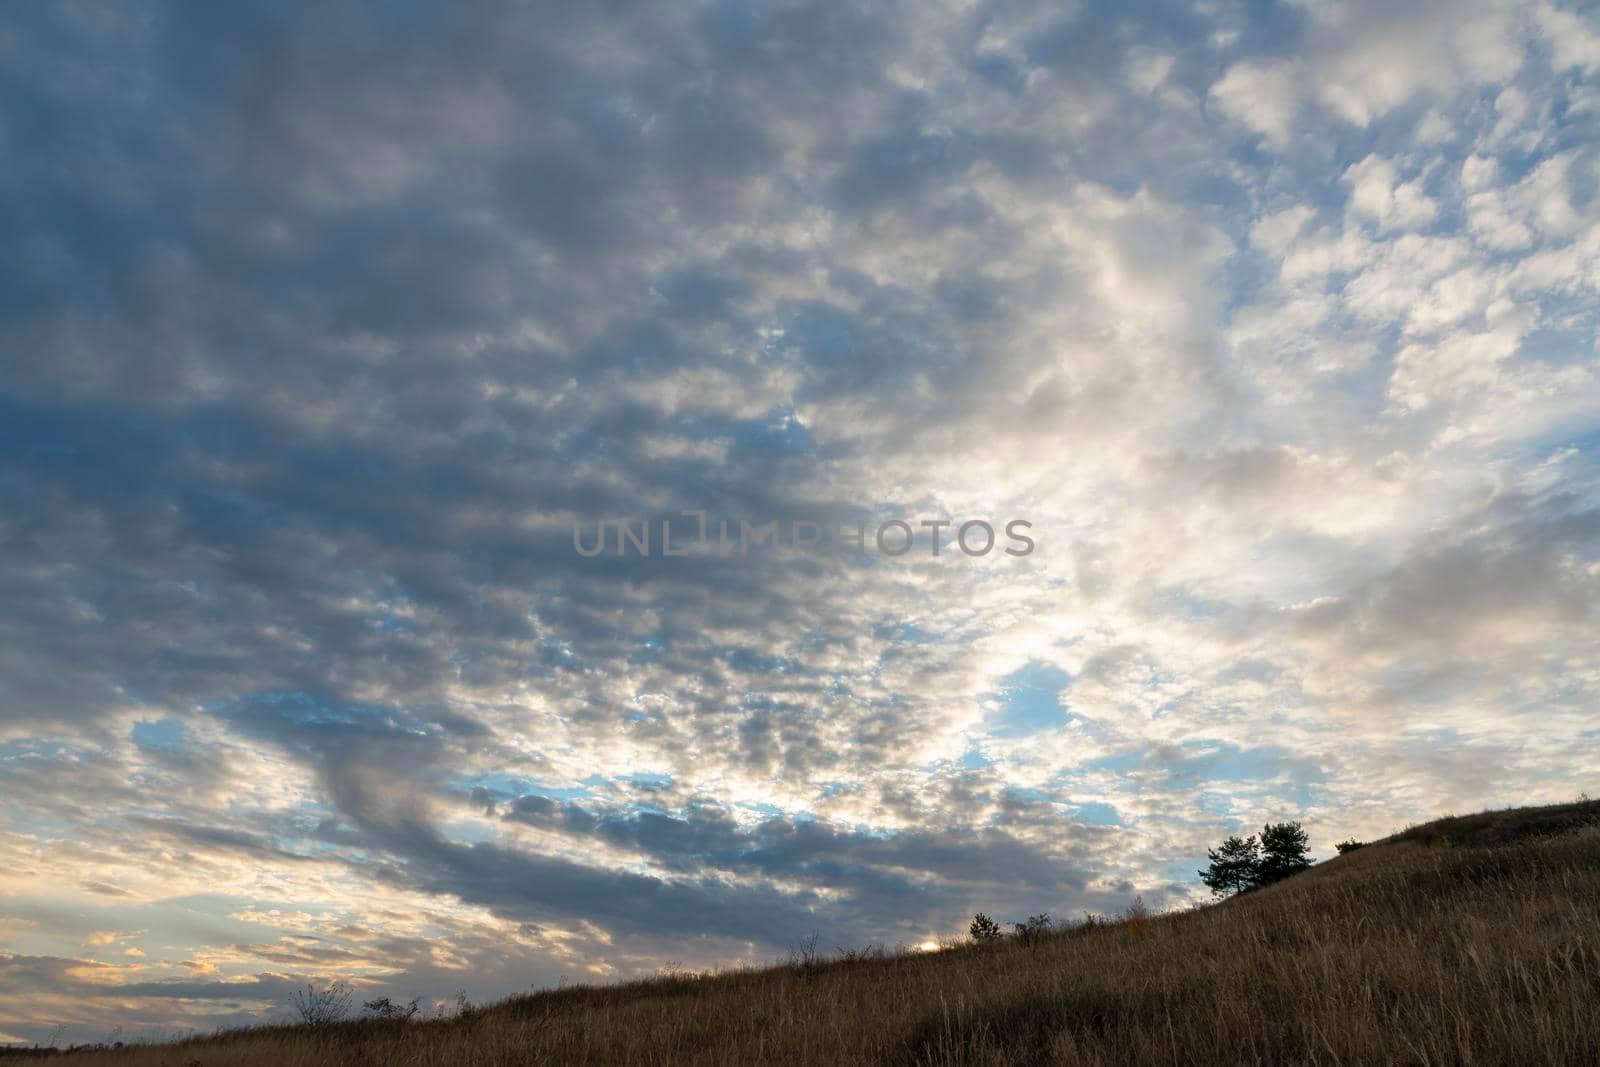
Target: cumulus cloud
1376	193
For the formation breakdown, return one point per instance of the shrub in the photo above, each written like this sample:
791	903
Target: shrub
384	1008
872	951
1348	846
1032	929
321	1007
984	930
1137	918
805	957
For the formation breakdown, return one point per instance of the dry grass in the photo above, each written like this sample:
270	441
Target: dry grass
1472	940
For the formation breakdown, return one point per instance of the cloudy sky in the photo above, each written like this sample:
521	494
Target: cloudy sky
322	327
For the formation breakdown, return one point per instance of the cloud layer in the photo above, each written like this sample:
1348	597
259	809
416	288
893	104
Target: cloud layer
324	326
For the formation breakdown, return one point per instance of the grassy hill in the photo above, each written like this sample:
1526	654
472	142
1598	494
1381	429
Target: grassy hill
1468	940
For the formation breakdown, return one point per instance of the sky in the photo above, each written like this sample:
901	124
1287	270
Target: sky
325	328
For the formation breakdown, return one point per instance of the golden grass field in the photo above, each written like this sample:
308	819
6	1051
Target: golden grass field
1472	940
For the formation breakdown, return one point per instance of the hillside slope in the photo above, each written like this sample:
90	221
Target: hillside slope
1468	940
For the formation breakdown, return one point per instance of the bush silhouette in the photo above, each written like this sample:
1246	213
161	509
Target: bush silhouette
1032	929
321	1007
1349	845
1137	919
384	1008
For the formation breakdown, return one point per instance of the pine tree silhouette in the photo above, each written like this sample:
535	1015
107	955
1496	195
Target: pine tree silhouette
1234	866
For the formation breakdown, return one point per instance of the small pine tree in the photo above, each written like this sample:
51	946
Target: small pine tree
1349	845
1234	866
1283	852
984	930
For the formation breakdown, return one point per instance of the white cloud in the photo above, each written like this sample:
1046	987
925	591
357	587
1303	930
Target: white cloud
1363	61
1261	96
1426	371
1376	193
1512	217
1148	71
1275	233
1573	40
1371	58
